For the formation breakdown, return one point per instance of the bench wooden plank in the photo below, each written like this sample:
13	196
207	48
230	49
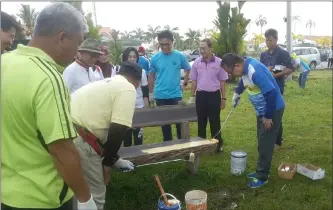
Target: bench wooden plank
168	150
164	115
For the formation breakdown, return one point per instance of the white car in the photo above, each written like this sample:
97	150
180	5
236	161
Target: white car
310	54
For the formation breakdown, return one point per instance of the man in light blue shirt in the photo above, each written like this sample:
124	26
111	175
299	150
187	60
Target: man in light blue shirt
143	61
164	77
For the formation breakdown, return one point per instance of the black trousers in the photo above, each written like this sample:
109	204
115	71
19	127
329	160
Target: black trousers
266	140
128	138
208	107
66	206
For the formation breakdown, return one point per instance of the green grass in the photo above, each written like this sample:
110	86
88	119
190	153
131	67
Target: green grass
307	139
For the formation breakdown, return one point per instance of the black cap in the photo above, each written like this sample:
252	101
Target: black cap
132	69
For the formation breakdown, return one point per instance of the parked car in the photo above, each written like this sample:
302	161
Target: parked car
192	55
310	54
323	55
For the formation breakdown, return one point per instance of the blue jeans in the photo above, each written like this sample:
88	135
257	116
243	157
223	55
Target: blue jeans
166	129
302	79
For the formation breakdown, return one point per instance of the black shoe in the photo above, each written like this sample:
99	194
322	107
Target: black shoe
219	148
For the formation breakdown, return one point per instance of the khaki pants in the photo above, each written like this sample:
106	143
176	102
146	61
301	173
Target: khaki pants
91	163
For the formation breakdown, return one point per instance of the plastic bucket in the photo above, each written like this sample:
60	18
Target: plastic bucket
196	200
238	162
161	205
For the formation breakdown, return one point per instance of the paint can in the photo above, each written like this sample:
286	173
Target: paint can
196	200
176	203
238	162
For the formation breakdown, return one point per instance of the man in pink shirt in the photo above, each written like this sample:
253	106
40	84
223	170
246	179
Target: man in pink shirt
208	91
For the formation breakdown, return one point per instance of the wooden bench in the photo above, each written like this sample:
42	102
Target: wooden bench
169	150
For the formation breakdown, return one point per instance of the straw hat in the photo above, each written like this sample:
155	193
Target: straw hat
91	45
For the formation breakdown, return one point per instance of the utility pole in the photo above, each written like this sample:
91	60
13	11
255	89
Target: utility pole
289	33
95	15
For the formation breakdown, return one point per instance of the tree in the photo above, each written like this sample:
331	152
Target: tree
126	35
324	42
167	27
311	25
138	34
261	21
28	17
258	39
232	30
19	33
115	46
93	30
296	19
151	34
193	38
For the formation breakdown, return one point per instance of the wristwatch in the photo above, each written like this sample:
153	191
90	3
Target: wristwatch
185	84
224	99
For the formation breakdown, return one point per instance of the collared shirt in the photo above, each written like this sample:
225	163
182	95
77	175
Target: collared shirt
35	113
279	57
77	75
97	104
208	74
258	82
167	68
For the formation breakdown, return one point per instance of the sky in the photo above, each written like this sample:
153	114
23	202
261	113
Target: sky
198	15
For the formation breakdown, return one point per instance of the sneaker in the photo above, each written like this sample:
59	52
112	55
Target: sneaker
256	183
252	175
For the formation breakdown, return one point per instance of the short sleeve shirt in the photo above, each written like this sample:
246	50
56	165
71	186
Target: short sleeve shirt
167	68
35	112
97	104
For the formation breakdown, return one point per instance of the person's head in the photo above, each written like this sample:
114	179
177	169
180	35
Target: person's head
59	31
89	52
271	36
206	47
165	40
9	27
233	64
132	72
142	51
130	54
105	56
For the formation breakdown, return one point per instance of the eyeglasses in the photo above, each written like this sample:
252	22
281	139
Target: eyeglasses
164	44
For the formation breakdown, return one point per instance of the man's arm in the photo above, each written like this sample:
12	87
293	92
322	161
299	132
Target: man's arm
121	120
223	77
269	92
187	67
145	89
240	87
287	61
194	77
56	128
151	76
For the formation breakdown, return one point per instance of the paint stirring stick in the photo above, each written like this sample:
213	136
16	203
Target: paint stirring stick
161	190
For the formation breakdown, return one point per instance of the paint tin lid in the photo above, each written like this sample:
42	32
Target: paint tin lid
238	154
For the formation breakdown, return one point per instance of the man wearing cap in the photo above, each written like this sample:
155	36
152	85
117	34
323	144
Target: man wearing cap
83	70
102	125
143	61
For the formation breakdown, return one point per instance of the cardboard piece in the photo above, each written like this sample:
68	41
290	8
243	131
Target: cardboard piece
287	174
311	171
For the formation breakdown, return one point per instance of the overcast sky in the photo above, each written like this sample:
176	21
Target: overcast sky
198	15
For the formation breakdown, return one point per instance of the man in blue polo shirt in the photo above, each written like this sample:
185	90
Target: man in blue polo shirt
143	61
264	94
164	77
279	63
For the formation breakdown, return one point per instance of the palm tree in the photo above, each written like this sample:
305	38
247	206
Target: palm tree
152	32
178	41
138	34
193	38
311	25
28	17
167	27
93	30
126	35
257	39
19	33
240	5
296	19
261	21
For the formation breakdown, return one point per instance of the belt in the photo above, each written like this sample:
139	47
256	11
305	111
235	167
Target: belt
91	139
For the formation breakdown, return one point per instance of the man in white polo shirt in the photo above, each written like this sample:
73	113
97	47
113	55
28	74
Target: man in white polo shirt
102	112
83	70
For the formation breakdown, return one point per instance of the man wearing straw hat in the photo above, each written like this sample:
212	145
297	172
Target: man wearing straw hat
83	70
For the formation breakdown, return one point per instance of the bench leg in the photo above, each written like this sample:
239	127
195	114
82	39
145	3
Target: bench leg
185	130
193	167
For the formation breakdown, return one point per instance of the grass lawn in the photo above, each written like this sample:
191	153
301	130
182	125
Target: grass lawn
307	139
